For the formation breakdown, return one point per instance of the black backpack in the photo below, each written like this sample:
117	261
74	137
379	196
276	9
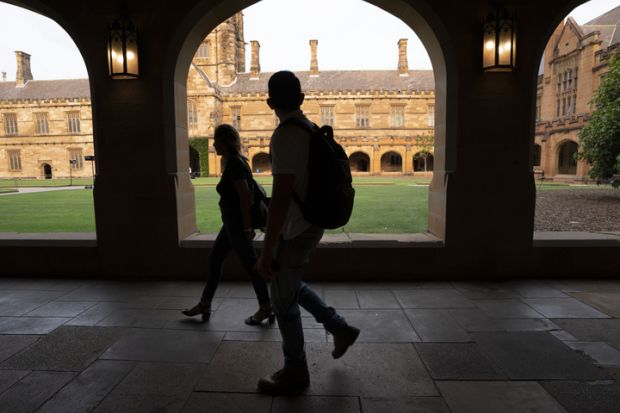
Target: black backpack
260	202
330	195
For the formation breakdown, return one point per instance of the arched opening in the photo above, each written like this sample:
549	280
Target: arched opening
423	162
205	18
567	163
47	171
194	162
53	133
261	163
391	162
360	162
573	66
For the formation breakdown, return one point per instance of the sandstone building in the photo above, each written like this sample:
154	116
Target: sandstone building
575	62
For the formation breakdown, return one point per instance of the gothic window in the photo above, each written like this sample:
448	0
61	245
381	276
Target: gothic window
10	124
557	108
430	121
76	159
327	115
192	117
236	117
73	122
15	160
397	116
41	123
203	51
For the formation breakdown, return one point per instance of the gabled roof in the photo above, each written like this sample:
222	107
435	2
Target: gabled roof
46	89
608	25
342	80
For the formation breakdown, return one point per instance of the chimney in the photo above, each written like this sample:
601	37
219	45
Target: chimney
403	66
23	68
255	63
4	76
314	63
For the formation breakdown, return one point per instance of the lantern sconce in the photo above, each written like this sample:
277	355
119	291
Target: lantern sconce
123	50
499	42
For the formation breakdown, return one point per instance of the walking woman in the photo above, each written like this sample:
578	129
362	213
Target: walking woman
236	233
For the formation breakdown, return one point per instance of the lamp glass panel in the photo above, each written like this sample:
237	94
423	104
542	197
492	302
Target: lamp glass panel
505	45
116	53
488	49
132	56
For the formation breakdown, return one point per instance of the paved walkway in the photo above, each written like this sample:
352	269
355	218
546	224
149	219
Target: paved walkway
539	346
30	190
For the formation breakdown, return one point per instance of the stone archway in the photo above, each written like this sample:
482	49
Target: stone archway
46	170
566	162
391	162
423	162
261	163
194	162
359	162
206	16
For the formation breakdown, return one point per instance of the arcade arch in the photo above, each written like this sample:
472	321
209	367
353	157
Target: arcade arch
359	161
391	161
261	163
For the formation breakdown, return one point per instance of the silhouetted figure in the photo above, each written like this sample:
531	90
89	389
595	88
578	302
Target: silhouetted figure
236	233
289	241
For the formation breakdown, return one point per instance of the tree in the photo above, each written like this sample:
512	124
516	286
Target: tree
600	139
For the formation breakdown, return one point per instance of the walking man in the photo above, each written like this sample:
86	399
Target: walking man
289	241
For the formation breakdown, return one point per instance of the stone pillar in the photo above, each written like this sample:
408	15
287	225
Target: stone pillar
23	68
403	66
255	64
314	62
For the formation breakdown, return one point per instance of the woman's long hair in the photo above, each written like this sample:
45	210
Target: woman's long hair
229	136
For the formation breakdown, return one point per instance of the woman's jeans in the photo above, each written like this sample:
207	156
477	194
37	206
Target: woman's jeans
288	291
232	238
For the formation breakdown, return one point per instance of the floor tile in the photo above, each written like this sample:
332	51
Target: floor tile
387	326
61	309
140	403
10	377
404	405
493	397
457	362
165	345
432	298
535	289
30	325
475	319
227	402
341	298
88	389
237	366
369	370
139	317
310	335
585	397
20	302
563	308
65	349
535	356
608	303
33	390
602	353
240	290
592	330
312	404
507	309
231	314
377	299
11	344
436	326
486	290
96	313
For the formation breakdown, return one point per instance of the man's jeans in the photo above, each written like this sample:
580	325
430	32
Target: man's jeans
288	290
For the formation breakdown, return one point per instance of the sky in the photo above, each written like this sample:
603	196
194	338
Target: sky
354	35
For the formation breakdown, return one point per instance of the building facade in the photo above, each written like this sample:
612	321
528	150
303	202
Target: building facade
575	63
383	119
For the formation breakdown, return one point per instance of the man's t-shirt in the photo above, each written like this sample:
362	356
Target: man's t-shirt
289	146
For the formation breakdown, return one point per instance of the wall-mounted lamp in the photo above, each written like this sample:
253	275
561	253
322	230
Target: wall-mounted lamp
123	50
499	43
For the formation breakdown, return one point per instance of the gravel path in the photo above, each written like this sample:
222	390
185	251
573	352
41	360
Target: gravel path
593	210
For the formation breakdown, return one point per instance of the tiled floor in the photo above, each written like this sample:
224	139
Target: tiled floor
526	346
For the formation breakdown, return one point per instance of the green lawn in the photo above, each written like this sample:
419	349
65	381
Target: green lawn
382	205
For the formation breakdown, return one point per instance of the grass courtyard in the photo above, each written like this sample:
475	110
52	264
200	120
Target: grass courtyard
382	205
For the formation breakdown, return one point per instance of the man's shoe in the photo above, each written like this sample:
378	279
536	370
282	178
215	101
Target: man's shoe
285	382
344	338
